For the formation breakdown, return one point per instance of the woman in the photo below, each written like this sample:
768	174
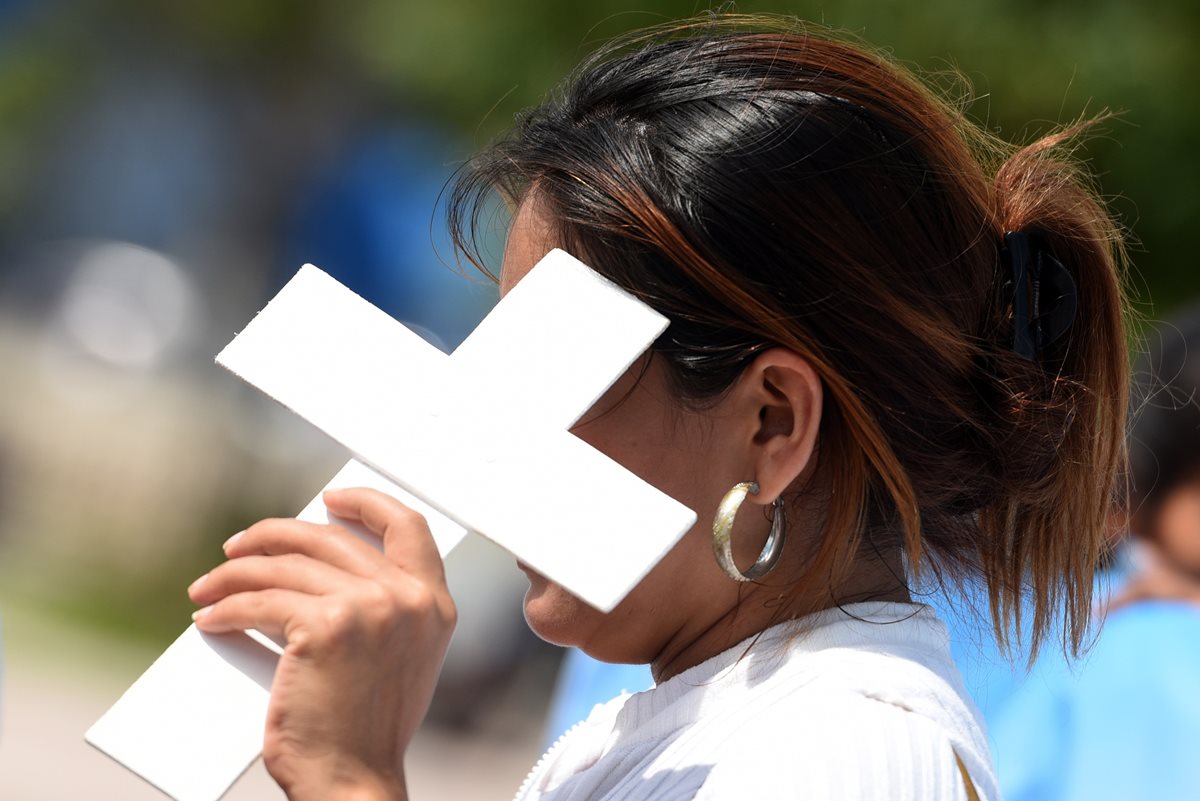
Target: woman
897	341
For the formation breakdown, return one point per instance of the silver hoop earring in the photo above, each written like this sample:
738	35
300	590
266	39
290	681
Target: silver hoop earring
723	533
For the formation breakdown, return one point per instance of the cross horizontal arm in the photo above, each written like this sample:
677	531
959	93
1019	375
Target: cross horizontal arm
400	406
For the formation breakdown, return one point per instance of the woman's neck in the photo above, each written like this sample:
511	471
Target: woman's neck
765	605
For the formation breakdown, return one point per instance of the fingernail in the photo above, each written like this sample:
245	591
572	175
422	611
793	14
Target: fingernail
197	583
229	542
200	614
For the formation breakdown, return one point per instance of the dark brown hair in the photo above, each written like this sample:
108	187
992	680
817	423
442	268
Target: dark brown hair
764	184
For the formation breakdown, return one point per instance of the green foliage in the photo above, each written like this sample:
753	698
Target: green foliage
32	77
123	596
473	65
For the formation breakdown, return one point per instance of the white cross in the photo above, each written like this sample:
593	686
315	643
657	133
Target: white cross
479	438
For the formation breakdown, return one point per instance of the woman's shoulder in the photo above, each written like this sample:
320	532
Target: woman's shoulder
863	702
858	702
845	745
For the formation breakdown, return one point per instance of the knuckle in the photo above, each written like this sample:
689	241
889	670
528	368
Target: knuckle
261	528
254	604
257	537
303	641
274	535
285	563
406	518
278	757
448	611
339	541
380	608
409	514
272	752
338	620
221	612
377	598
430	606
421	601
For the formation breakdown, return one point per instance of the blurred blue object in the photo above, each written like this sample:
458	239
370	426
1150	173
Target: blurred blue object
584	682
8	7
1124	724
147	156
370	221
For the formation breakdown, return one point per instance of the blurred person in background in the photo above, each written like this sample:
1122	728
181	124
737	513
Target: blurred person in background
1125	723
899	340
1164	454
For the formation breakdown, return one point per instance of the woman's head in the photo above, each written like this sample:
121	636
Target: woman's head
782	189
764	425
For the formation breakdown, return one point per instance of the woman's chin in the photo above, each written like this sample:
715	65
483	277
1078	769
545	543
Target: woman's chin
556	615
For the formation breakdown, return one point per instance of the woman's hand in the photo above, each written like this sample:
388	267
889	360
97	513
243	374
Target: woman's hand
365	636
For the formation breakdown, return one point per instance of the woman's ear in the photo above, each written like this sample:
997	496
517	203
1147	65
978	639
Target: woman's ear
783	389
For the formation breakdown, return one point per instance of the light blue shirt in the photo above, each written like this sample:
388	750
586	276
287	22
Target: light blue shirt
1121	725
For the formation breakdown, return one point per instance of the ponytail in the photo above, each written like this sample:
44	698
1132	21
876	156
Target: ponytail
1064	415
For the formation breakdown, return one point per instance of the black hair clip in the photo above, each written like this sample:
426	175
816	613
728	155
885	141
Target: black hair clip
1044	300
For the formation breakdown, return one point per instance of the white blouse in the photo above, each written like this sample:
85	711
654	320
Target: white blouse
861	702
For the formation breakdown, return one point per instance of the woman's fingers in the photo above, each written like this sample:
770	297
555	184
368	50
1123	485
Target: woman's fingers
330	544
308	559
406	538
273	612
291	571
357	614
404	534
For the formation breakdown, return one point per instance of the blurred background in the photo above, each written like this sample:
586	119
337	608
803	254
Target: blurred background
165	166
